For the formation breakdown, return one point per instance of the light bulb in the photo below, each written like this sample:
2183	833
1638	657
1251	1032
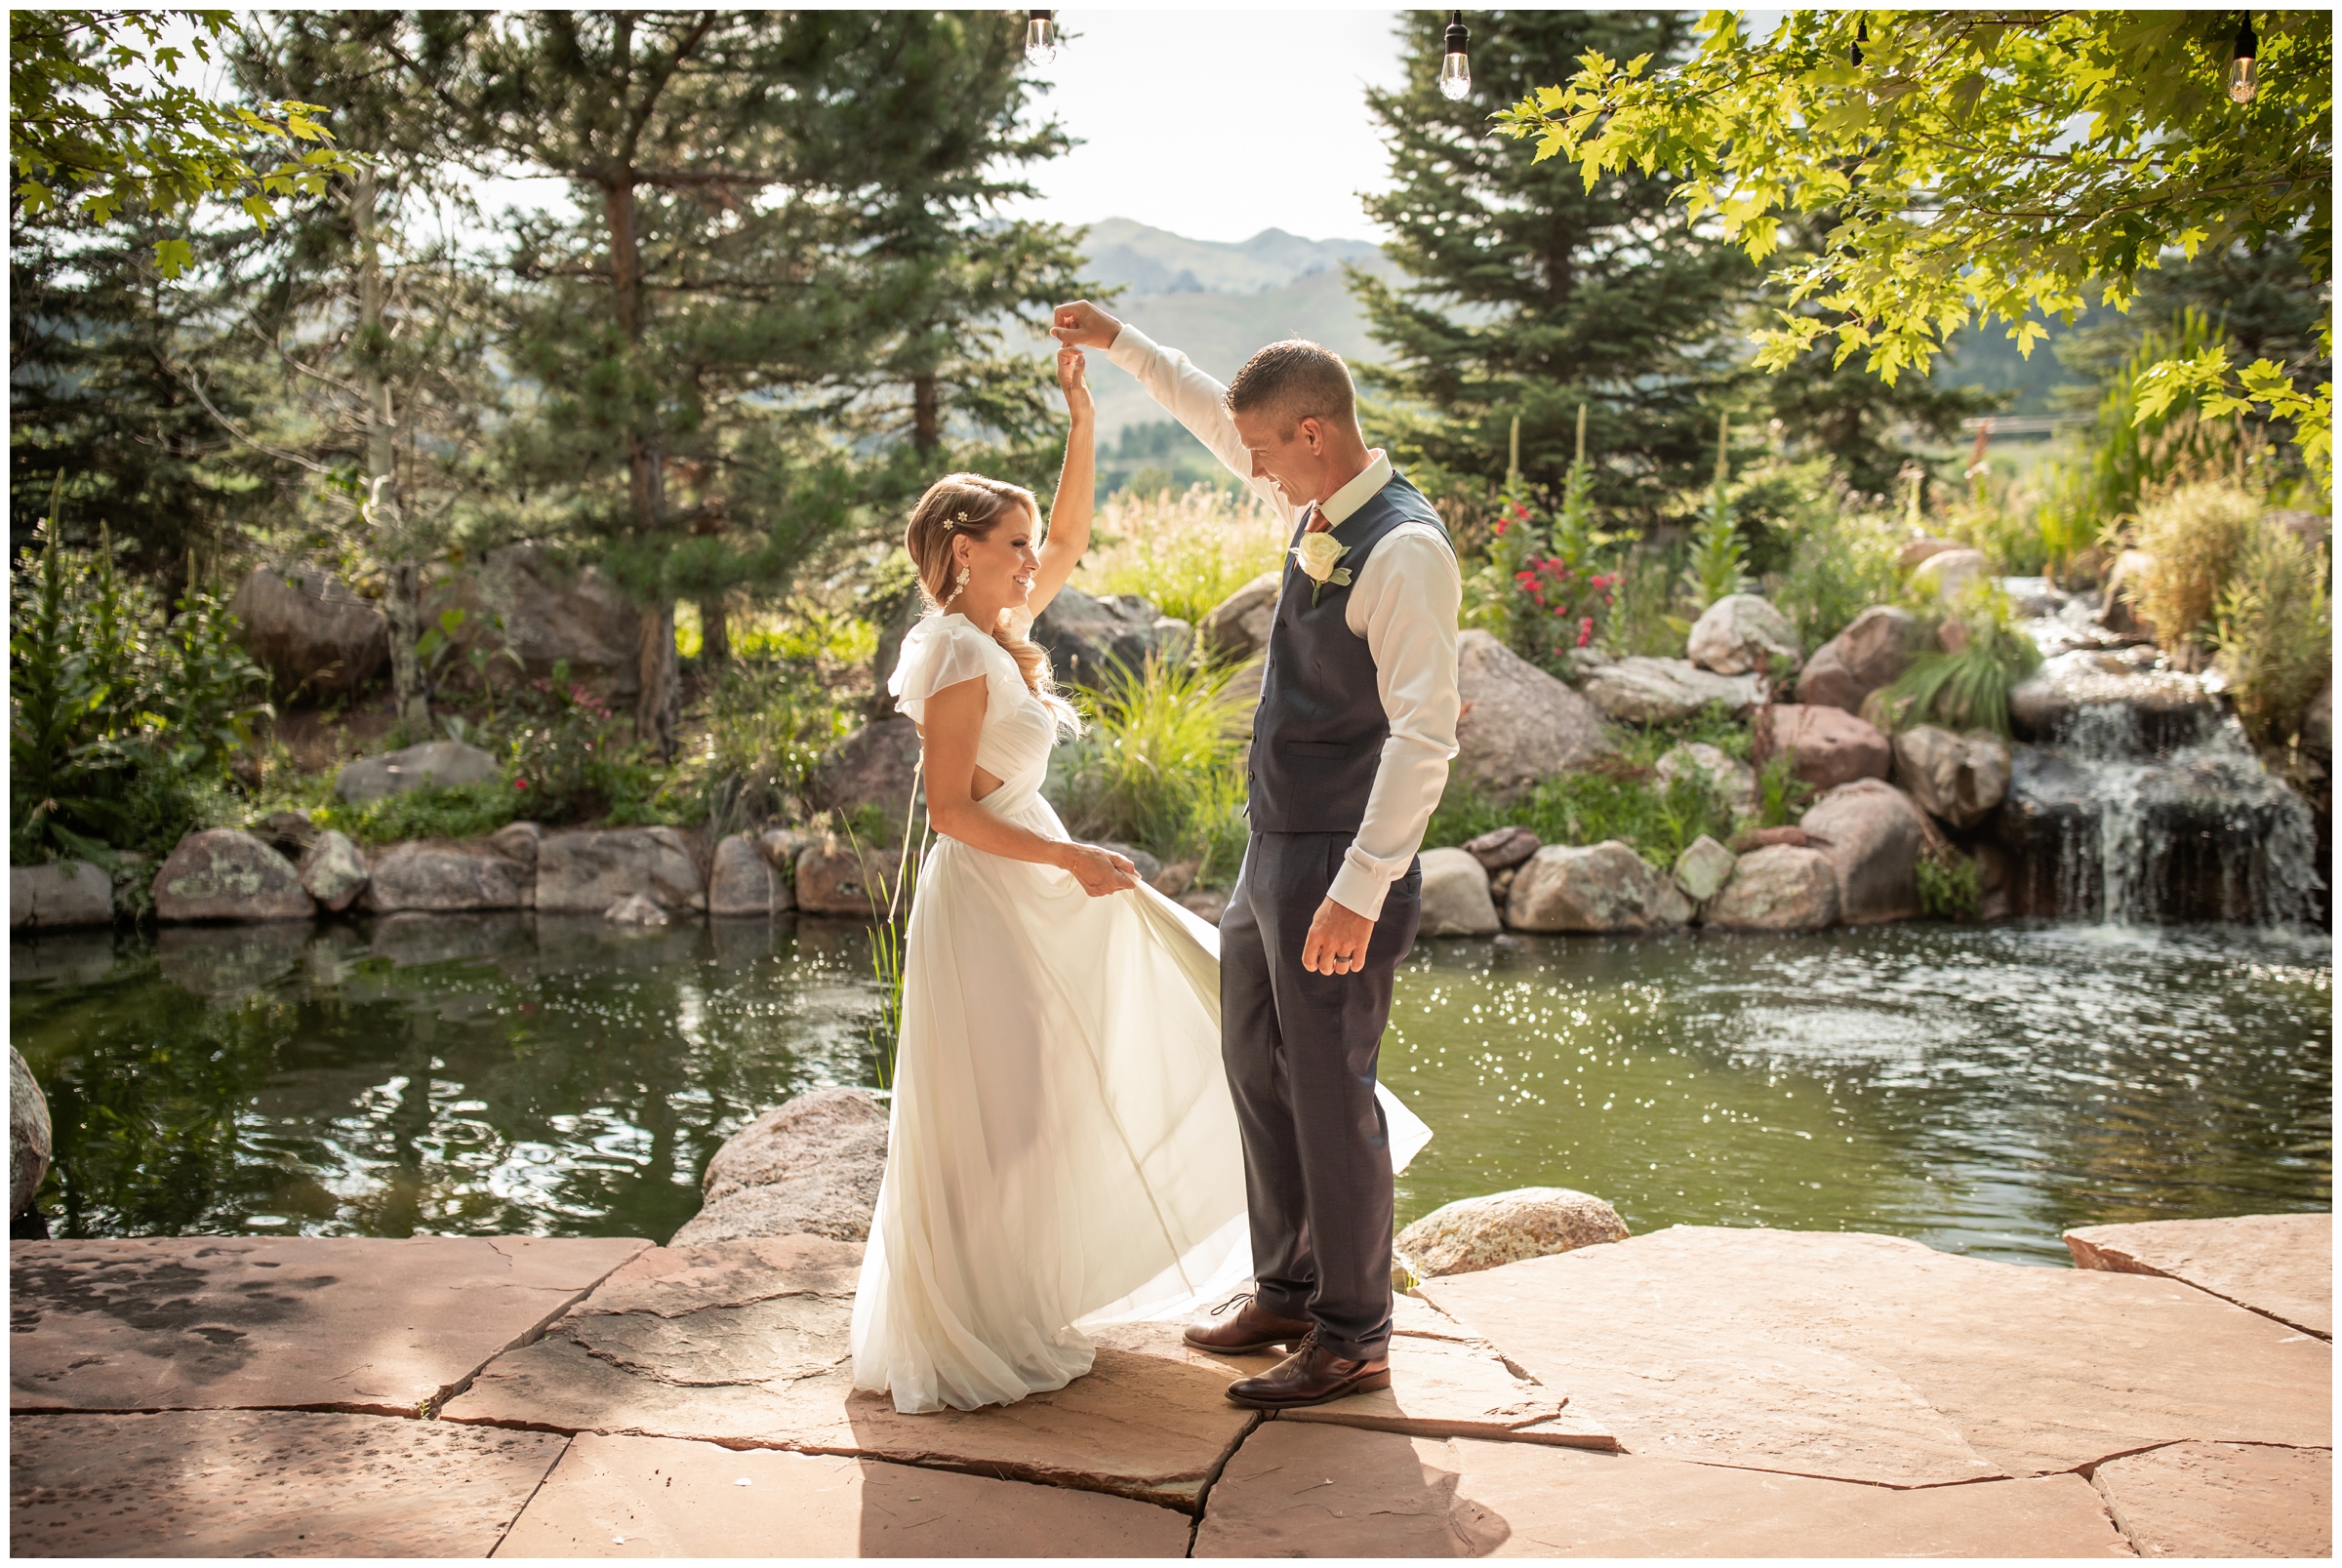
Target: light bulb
2244	71
1041	39
1455	70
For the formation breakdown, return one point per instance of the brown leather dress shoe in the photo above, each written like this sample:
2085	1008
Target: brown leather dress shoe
1248	1333
1310	1376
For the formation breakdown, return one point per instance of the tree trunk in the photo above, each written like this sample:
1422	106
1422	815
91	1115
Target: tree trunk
715	631
658	703
926	428
399	603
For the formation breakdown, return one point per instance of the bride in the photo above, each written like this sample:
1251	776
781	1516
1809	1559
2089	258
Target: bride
1064	1150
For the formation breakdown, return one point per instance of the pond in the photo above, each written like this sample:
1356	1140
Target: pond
1979	1089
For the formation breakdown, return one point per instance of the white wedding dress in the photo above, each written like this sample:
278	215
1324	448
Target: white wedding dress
1064	1151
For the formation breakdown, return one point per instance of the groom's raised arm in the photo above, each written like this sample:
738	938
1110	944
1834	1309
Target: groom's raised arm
1172	379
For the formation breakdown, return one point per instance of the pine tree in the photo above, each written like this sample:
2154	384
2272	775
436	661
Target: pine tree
1528	295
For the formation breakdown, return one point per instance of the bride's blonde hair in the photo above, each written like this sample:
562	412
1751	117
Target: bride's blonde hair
972	504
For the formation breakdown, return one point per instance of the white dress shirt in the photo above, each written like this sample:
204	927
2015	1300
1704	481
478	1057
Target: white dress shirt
1404	601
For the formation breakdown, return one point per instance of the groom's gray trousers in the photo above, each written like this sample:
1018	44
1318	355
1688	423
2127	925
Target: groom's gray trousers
1301	1051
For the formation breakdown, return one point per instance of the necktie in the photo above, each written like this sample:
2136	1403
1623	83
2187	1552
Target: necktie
1318	523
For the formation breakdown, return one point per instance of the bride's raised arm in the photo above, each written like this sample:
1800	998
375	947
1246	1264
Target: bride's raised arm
1076	486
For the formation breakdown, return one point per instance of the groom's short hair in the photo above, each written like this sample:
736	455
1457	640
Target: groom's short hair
1294	380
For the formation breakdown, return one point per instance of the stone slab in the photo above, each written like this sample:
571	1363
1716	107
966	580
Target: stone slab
654	1496
266	1483
1296	1490
749	1348
2281	1266
2224	1500
341	1323
1875	1359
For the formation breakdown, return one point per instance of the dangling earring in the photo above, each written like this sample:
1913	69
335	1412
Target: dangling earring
959	585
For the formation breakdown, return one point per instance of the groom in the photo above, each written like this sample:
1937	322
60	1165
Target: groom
1350	753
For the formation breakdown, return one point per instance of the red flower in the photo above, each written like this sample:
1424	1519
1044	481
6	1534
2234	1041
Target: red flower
1585	632
1501	524
520	784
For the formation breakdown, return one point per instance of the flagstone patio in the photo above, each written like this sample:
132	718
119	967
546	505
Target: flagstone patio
1693	1392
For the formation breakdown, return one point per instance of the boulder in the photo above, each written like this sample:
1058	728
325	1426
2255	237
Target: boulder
741	881
2119	613
1926	547
1503	1227
551	614
518	841
431	875
1776	888
1876	647
1501	847
1148	865
222	875
1086	637
877	765
59	895
781	847
1960	778
585	873
1667	691
1704	867
2034	597
1206	904
1237	627
1755	838
635	909
2113	703
314	636
1827	746
288	833
1175	878
1947	571
1733	780
809	1167
832	880
1742	634
2317	723
333	870
1873	836
435	764
1599	887
1520	725
29	1135
1455	895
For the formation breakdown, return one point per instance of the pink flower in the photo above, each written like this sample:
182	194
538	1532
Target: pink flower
1501	524
1585	632
520	784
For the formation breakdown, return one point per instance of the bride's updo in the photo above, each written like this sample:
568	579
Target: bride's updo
972	504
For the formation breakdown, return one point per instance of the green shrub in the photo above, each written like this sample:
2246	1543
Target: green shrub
1183	552
1642	619
2196	534
1157	760
1720	558
1841	563
1591	806
1781	795
1950	890
459	810
1969	688
2274	632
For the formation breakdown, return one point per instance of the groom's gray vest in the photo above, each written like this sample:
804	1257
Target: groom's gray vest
1318	734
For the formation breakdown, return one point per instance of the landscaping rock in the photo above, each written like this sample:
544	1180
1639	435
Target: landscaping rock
1503	1227
1827	746
1600	888
1947	571
1732	779
518	841
2114	704
1456	902
314	636
585	873
1926	547
742	881
222	875
2224	1500
1176	878
288	833
2281	1266
430	875
1237	627
1499	884
1960	778
1520	725
1450	1383
1704	867
2119	613
1776	888
443	764
2318	724
1742	634
551	615
1875	836
1872	653
1086	637
877	765
1755	838
1667	691
31	1140
1147	867
838	1134
1502	847
334	871
831	879
1206	904
2034	597
635	909
58	896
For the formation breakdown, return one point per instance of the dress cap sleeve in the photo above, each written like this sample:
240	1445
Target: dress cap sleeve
942	651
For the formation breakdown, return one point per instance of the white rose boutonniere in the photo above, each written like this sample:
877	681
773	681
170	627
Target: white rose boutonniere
1317	555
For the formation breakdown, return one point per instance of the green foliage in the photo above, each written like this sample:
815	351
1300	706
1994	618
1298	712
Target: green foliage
2135	453
1591	806
1969	688
1841	561
2197	534
1720	557
1950	890
99	124
2275	631
1998	163
1781	795
1186	551
121	723
1153	764
1642	611
461	811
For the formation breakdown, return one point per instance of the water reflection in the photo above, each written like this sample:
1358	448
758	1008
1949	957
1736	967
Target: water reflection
1981	1090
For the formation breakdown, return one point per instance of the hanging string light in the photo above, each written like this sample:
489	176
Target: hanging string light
2244	71
1455	70
1041	38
